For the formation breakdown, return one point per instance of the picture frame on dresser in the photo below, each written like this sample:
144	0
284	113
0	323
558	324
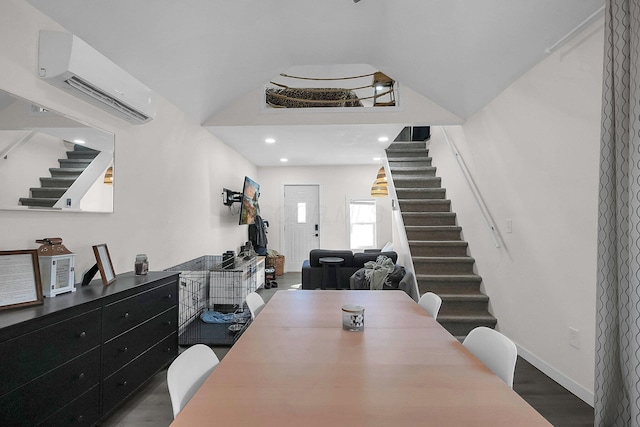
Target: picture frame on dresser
20	282
103	259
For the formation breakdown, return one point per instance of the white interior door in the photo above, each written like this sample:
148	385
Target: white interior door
301	224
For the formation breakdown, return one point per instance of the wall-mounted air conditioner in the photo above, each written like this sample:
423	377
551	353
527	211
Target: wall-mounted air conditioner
69	63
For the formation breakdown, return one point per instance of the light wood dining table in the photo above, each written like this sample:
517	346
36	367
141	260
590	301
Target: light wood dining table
296	366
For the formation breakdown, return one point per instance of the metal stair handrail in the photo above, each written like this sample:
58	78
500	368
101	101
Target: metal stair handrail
486	216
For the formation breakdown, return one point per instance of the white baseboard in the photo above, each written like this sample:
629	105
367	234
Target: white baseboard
557	376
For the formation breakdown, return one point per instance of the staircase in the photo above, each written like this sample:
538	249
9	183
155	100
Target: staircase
52	188
440	256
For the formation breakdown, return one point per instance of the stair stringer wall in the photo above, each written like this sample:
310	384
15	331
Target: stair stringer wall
84	184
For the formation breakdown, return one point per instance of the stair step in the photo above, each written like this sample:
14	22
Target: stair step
413	170
449	284
428	218
436	232
38	202
421	193
82	154
438	248
66	171
463	303
412	160
425	205
47	192
395	162
395	154
74	163
396	145
443	265
406	150
58	182
414	181
80	147
460	325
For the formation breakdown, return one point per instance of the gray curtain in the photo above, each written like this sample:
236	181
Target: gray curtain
617	370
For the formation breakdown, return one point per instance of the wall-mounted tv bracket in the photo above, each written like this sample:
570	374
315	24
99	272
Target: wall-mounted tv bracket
230	197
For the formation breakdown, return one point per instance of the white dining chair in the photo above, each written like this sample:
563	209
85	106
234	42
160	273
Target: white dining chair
431	303
188	372
495	350
255	303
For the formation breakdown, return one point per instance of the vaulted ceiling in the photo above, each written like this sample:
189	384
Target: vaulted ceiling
212	57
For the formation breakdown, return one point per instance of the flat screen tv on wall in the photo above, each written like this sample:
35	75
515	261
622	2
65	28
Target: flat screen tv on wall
249	207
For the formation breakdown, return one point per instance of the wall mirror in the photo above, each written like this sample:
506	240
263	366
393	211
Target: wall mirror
51	162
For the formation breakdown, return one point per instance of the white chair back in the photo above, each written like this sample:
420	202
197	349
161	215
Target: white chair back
187	373
495	350
255	303
431	303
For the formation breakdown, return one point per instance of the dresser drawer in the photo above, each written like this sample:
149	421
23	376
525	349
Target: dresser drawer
121	384
34	354
42	397
84	411
127	313
126	347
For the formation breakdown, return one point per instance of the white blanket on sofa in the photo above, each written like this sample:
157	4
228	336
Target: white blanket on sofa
376	271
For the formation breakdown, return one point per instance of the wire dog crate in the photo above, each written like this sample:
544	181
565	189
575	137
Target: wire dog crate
211	300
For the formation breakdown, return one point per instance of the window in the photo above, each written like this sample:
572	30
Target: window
302	213
362	223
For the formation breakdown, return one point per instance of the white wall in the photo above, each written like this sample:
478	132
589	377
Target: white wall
168	177
533	153
336	184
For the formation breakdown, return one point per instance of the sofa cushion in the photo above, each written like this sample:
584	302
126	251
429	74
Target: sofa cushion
316	254
359	259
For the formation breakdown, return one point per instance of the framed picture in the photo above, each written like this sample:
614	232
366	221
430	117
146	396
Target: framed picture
20	283
104	263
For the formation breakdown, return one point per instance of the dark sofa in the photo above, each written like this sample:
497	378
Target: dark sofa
312	270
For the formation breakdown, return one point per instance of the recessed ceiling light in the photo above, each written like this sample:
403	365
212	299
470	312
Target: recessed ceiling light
269	140
283	160
383	139
78	141
377	159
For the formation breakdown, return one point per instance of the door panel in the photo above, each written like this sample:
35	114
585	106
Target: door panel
301	224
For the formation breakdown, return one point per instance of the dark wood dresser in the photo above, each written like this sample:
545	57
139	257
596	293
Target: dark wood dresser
74	359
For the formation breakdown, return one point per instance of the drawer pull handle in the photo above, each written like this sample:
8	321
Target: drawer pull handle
126	315
80	419
82	377
124	383
124	349
168	349
167	322
168	296
83	334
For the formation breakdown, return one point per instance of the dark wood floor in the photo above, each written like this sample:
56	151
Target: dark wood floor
151	406
554	402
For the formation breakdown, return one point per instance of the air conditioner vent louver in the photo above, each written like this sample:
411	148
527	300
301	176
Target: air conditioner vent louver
96	93
69	63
